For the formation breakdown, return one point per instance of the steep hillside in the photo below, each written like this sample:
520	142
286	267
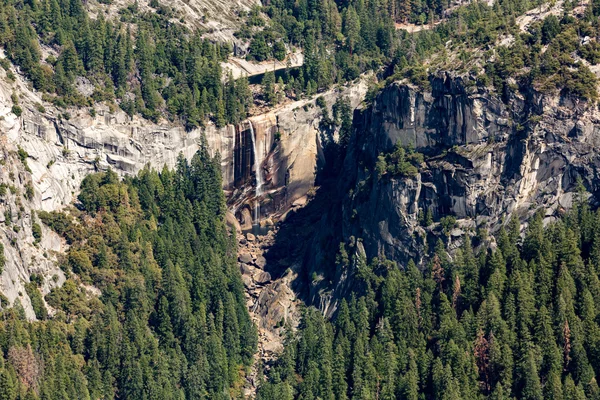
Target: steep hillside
455	251
64	145
398	204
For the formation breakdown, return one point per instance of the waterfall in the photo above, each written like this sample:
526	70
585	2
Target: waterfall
259	181
233	152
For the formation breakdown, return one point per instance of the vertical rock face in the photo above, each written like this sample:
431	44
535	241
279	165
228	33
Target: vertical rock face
288	145
485	160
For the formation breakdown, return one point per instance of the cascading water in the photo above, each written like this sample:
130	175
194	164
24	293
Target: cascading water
233	152
259	181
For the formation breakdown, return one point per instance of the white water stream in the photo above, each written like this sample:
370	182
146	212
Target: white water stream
258	172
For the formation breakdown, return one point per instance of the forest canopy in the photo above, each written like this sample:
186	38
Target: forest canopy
171	320
520	321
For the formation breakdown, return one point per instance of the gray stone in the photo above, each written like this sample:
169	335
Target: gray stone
260	262
245	257
262	277
248	282
246	269
489	171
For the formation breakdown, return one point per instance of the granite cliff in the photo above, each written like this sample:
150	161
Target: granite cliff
485	159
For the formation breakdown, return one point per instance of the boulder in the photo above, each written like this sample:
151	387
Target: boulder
250	237
300	202
262	277
246	269
246	219
248	282
233	222
266	222
245	257
260	262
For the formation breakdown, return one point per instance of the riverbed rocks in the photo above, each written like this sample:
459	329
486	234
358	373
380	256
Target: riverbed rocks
272	303
260	262
245	257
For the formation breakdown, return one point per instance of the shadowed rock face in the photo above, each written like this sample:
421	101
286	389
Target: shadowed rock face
484	160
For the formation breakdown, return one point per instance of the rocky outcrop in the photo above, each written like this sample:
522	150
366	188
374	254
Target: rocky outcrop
218	20
289	143
273	306
239	67
486	158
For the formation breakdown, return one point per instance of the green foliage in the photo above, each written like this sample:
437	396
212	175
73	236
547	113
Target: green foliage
36	301
23	155
448	223
516	322
29	193
177	72
268	88
400	162
62	224
17	110
339	39
550	28
342	116
171	321
36	231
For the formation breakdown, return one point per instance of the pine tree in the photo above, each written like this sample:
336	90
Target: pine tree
268	88
530	387
351	29
404	10
481	352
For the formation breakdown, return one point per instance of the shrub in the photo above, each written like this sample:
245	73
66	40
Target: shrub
61	224
36	230
37	303
401	162
18	111
22	154
447	223
29	191
79	261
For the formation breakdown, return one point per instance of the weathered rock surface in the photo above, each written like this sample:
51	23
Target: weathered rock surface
240	67
245	257
485	159
289	144
219	19
260	262
273	305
